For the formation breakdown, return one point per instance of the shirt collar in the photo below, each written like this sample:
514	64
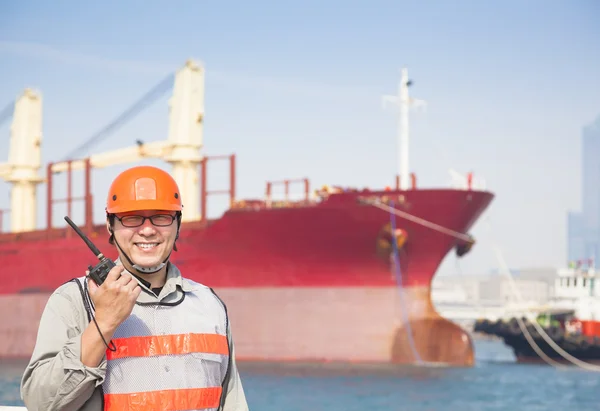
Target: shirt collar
169	292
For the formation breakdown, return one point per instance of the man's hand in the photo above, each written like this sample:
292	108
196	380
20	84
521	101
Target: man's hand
114	299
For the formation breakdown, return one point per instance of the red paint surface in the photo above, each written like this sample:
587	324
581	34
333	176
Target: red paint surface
332	243
590	328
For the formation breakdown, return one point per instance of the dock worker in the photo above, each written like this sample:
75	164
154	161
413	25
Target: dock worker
144	339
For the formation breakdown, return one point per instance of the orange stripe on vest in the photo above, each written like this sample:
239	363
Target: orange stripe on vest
168	345
185	399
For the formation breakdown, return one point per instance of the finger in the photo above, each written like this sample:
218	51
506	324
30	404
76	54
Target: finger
136	291
125	279
132	284
92	286
114	273
134	294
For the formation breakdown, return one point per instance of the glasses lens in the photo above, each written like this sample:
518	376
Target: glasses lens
162	220
132	220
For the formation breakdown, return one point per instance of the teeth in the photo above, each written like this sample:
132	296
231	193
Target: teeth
147	246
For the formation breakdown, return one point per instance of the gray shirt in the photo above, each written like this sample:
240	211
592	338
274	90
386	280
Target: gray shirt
56	379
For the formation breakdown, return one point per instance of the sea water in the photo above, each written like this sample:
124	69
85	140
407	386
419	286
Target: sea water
495	383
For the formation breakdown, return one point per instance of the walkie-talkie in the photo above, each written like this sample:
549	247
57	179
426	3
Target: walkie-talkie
99	272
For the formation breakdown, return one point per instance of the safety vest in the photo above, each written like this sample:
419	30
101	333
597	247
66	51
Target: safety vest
169	357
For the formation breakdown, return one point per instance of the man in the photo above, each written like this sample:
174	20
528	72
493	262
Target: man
145	338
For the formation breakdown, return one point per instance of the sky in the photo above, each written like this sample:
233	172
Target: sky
295	88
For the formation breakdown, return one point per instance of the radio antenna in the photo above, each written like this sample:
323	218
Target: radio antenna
91	245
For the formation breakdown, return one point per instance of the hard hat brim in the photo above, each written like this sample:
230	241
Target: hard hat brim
143	205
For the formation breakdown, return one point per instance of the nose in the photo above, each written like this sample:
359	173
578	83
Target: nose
147	228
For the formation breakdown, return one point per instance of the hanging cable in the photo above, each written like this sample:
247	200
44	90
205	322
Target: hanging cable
417	220
148	98
564	354
398	276
522	326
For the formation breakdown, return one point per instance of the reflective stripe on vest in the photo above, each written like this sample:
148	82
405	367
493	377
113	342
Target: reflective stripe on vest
169	357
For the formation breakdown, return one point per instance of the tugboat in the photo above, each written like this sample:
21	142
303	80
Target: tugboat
566	330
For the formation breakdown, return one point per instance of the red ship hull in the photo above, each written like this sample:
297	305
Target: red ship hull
303	283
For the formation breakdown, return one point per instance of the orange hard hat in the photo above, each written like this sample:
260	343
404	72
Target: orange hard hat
143	188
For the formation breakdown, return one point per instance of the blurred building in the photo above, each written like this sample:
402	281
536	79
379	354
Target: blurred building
584	226
465	298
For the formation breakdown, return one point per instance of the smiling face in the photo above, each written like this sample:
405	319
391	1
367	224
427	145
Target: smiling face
149	243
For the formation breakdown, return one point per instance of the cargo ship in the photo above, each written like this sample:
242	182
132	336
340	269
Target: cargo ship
340	276
564	331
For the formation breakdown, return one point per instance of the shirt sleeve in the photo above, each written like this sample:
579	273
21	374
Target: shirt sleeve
55	378
235	399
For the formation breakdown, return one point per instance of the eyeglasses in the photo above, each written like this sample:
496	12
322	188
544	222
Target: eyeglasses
159	220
